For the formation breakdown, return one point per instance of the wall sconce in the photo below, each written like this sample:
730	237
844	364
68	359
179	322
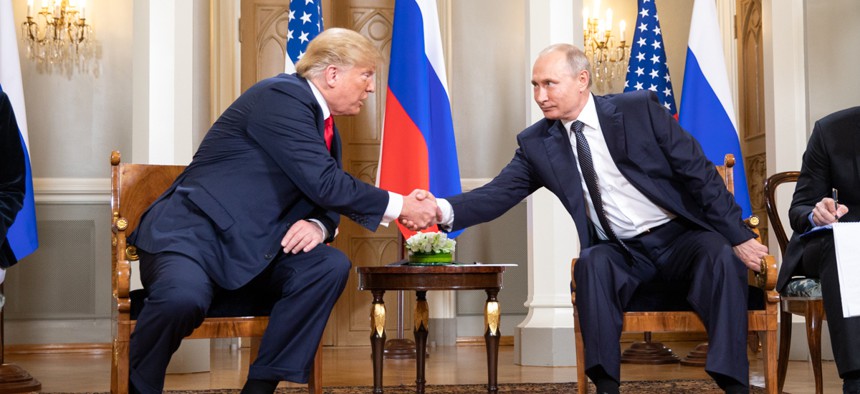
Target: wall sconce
58	33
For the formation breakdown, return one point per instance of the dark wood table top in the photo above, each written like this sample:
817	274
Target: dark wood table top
400	276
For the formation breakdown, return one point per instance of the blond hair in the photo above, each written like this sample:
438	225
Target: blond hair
338	47
576	58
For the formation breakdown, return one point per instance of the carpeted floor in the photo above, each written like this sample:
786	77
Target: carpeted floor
654	387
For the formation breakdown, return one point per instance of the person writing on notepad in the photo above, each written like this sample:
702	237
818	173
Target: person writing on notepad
826	191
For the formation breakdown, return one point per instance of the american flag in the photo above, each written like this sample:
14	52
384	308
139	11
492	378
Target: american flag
305	23
648	68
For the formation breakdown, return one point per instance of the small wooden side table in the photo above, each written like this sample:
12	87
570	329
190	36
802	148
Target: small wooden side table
399	276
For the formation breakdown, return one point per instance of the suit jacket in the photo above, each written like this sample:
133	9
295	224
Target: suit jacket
261	167
650	149
832	159
12	173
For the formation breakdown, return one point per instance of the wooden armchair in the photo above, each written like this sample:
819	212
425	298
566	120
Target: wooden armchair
762	319
133	188
802	296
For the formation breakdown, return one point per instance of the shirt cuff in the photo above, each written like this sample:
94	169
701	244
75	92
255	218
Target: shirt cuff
811	222
321	226
447	214
392	212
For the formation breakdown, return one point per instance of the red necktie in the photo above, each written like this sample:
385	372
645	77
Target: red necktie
329	132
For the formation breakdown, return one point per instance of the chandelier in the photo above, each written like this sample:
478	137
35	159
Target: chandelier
607	54
58	33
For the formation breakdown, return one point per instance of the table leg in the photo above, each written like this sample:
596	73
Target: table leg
420	330
492	317
377	337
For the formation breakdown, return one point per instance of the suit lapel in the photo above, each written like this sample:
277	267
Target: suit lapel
562	160
613	130
612	125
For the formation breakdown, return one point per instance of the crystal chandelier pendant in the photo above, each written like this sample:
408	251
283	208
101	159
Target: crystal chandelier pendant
59	35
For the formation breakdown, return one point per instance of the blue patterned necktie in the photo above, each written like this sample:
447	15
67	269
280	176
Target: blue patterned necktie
586	165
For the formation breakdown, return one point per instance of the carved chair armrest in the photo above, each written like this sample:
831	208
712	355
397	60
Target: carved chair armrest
121	266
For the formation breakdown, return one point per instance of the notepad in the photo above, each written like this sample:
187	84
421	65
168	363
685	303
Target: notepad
845	236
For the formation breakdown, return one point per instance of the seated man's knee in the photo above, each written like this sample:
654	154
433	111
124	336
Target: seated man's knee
721	258
593	261
336	262
181	301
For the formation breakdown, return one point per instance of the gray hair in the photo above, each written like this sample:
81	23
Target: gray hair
576	58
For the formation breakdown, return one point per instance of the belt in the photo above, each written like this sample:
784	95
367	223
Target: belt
653	229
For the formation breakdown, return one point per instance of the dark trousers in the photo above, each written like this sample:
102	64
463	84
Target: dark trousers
305	286
718	291
819	261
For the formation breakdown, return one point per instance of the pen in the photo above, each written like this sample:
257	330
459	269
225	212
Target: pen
836	203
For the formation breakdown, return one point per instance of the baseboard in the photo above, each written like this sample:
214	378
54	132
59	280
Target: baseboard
504	340
85	348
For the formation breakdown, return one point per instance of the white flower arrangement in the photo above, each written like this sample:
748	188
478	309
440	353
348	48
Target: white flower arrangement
430	243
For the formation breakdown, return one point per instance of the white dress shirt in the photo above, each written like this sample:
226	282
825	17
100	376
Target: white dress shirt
629	212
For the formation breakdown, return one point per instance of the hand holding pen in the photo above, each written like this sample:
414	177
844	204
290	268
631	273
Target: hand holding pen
828	210
835	195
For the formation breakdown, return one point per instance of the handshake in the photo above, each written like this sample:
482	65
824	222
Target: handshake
419	210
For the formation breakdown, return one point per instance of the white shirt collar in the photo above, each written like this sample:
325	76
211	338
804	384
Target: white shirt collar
320	100
588	115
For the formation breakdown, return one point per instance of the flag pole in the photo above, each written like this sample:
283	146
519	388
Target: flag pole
13	379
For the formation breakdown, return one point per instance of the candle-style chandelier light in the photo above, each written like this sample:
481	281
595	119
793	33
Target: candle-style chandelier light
58	33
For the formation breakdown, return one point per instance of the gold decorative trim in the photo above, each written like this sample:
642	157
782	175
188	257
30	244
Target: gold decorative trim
131	253
422	315
121	224
492	317
377	319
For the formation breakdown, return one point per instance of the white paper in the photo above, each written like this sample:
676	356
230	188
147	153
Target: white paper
845	238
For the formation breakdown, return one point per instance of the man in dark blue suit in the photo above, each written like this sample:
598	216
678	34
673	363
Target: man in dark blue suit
253	210
12	172
647	206
831	160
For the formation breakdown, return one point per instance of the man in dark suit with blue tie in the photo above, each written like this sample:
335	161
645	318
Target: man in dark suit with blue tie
831	162
647	205
12	172
253	210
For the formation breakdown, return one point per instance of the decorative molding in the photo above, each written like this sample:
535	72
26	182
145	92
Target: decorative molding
71	191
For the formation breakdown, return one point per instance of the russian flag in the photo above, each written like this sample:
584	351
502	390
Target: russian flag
418	148
707	111
22	236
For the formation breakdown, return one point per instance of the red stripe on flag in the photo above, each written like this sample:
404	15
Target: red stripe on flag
404	164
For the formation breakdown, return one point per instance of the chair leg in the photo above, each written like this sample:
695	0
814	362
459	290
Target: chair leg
581	379
768	345
254	349
814	313
315	382
119	367
784	346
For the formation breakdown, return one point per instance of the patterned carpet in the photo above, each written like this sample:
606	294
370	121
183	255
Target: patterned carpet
653	387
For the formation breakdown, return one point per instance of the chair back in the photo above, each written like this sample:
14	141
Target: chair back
770	186
134	187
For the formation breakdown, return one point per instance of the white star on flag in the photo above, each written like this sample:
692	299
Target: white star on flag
301	30
650	56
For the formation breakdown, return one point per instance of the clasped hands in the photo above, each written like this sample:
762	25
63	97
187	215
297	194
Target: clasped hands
419	210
